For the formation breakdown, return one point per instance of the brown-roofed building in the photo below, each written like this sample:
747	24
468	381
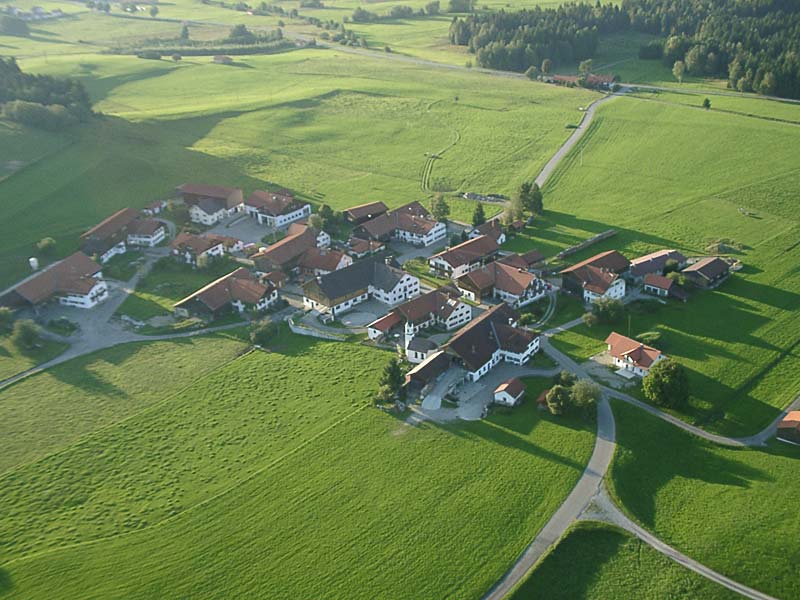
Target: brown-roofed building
597	277
654	263
75	281
358	248
210	204
490	338
276	209
510	392
789	427
239	290
319	261
440	307
493	228
424	375
515	286
146	233
113	235
420	348
285	255
196	250
707	272
527	261
231	244
154	208
365	212
464	257
632	356
664	287
411	223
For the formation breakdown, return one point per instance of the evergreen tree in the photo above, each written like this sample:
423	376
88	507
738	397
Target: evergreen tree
478	216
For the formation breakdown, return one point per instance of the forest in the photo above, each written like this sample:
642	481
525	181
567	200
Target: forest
755	44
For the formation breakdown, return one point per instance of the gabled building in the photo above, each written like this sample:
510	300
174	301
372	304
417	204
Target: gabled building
146	233
494	229
664	287
419	349
239	291
527	261
411	223
124	228
440	308
230	244
422	377
490	338
789	428
632	356
341	290
321	261
276	209
358	248
365	212
210	204
285	255
510	392
707	272
155	208
465	257
75	281
514	286
597	277
196	250
654	263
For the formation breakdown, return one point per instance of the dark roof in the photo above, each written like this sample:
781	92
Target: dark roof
75	274
421	344
196	244
612	261
658	281
441	302
655	262
238	285
368	210
358	276
492	228
709	268
273	203
599	272
429	369
411	217
323	259
113	224
468	252
145	226
290	248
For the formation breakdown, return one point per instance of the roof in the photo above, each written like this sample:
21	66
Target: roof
658	281
612	261
499	274
709	268
276	278
322	259
430	368
358	276
411	217
790	421
387	322
273	203
421	344
113	224
282	252
75	274
359	246
208	191
225	240
492	228
368	210
625	348
468	252
599	272
238	285
145	226
196	244
476	342
655	262
513	387
440	303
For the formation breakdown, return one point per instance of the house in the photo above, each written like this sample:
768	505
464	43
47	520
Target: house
358	248
664	287
493	228
221	59
515	286
632	356
510	392
440	308
285	255
275	278
146	233
155	208
230	244
276	209
526	261
490	338
365	212
597	277
210	204
420	348
196	250
420	379
239	290
108	238
75	281
789	428
654	263
341	290
707	272
320	261
411	223
465	257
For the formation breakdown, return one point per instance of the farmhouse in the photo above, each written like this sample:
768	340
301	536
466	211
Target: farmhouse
465	257
510	392
320	261
365	212
490	338
411	223
285	255
146	233
513	285
341	290
113	235
276	209
419	379
210	204
239	291
664	287
493	228
75	281
597	277
526	261
419	349
230	244
707	272
789	427
358	248
155	208
440	308
632	356
654	263
196	250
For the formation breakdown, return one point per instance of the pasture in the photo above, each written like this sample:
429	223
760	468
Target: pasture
14	360
276	476
732	510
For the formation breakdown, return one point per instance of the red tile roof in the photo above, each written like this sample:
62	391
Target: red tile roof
625	348
113	224
658	281
238	285
273	203
196	244
75	274
513	387
469	252
655	262
322	259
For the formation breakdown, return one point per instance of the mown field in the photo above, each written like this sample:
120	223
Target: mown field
666	175
731	510
14	360
240	490
605	562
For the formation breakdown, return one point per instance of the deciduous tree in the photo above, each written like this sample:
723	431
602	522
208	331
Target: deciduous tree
667	384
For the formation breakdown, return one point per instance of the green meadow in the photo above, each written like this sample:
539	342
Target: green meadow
13	360
239	490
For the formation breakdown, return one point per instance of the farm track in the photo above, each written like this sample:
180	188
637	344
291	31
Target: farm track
428	167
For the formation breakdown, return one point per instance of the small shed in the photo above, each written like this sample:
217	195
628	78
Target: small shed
789	428
509	392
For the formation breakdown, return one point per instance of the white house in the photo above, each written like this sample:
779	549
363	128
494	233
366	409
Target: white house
437	308
276	209
196	250
419	349
464	257
632	356
75	281
510	392
239	290
146	232
614	289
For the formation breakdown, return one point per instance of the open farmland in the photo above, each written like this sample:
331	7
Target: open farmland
732	510
606	562
13	360
312	475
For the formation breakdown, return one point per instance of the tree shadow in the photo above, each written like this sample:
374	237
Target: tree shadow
6	583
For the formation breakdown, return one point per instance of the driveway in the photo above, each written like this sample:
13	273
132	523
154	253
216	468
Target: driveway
242	227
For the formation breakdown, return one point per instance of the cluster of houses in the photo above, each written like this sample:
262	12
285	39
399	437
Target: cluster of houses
36	13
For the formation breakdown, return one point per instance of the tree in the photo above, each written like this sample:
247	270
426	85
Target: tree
547	65
185	33
585	67
316	221
532	72
25	334
584	394
608	310
176	57
263	332
706	103
678	278
432	8
536	204
6	318
558	398
153	10
515	209
439	208
667	384
478	216
565	378
391	381
46	246
678	69
590	319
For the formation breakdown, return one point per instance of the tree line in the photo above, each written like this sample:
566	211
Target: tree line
754	44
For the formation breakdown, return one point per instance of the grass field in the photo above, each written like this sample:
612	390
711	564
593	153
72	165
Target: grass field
250	485
13	360
606	562
732	510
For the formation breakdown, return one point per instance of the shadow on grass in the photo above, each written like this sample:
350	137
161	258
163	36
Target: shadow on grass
6	583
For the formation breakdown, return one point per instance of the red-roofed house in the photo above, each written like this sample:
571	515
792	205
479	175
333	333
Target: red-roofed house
196	250
319	261
276	209
631	355
439	307
239	290
597	277
789	428
493	228
510	392
411	223
464	257
210	204
658	285
513	285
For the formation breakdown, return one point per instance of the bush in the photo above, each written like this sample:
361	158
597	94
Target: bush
667	384
527	319
651	338
608	310
46	246
589	319
263	332
584	395
149	55
558	399
25	334
6	319
565	379
53	117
